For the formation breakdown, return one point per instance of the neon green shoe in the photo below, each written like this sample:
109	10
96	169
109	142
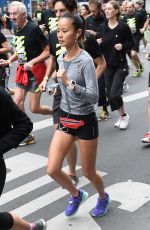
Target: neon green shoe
137	73
104	115
141	68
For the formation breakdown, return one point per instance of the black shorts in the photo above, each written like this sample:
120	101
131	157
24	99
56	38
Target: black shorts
137	43
88	131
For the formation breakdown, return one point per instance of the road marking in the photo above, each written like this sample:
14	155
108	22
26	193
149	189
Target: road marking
48	198
135	96
24	163
131	195
49	122
81	221
42	124
29	187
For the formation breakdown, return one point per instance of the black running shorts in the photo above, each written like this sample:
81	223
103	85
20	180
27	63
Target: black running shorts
88	131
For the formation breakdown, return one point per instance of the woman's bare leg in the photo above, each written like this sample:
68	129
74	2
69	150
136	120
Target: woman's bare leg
59	147
88	152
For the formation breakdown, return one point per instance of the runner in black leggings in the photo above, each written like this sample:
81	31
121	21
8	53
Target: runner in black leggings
116	39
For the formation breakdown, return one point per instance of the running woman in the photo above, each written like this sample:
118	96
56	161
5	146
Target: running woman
77	79
116	39
92	47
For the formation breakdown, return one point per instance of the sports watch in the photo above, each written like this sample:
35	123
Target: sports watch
71	85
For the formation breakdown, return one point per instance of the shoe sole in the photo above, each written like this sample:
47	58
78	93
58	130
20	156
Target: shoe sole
117	126
103	119
103	213
86	195
28	143
44	224
123	128
146	142
137	76
140	75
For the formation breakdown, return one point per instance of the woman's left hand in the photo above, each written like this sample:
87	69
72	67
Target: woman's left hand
118	46
63	75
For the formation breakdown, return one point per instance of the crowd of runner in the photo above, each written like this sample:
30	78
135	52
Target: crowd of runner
87	51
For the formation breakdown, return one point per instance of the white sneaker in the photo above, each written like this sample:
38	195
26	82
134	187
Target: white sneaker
118	123
124	122
146	138
125	86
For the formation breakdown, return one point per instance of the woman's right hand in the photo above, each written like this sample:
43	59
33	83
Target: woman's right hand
63	76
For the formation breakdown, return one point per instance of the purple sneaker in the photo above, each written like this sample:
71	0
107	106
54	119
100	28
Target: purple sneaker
74	203
101	207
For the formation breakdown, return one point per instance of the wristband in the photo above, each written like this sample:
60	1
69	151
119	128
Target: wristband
46	78
9	61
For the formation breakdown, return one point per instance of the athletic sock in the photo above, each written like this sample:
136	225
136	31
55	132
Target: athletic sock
77	196
123	115
32	227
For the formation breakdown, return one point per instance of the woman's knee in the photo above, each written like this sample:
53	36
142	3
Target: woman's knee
34	108
19	101
90	174
133	54
53	171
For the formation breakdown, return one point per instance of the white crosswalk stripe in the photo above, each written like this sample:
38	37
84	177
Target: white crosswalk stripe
28	208
26	188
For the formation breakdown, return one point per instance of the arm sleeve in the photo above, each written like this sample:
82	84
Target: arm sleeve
20	124
92	47
129	41
90	91
52	41
40	36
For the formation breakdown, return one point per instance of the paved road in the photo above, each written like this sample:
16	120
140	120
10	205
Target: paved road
122	158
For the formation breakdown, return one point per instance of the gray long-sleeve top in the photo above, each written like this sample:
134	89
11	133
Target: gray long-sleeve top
81	99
